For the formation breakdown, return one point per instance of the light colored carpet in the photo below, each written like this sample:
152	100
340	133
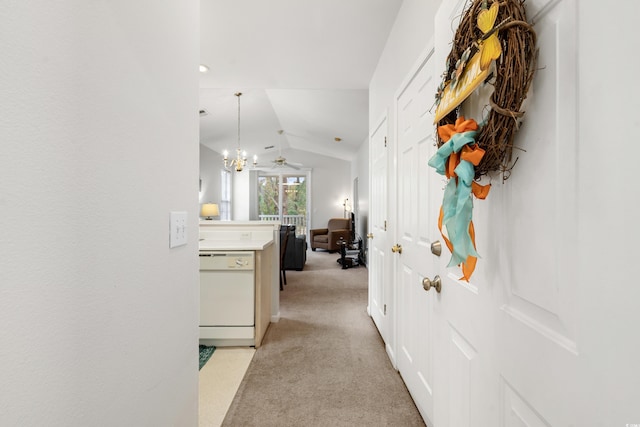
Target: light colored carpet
324	363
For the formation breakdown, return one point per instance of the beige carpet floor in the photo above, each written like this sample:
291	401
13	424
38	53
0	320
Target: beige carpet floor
323	363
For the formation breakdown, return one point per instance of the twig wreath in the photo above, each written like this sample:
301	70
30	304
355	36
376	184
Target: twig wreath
493	44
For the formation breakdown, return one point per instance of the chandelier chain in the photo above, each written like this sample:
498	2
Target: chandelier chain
238	95
241	157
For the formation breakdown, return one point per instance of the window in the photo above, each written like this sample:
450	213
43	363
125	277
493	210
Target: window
283	198
269	198
225	195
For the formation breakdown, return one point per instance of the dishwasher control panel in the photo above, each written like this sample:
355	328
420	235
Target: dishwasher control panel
220	260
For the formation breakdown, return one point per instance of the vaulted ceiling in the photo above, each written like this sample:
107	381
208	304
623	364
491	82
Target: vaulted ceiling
303	66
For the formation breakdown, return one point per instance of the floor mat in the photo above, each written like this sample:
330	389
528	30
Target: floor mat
205	354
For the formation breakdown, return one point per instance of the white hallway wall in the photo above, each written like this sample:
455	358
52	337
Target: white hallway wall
409	37
360	170
99	131
330	185
210	170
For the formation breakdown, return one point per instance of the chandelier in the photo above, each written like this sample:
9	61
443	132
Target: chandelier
241	156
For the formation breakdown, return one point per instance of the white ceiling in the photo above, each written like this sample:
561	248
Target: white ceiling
303	66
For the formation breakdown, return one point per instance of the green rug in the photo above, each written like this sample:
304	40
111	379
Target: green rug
205	354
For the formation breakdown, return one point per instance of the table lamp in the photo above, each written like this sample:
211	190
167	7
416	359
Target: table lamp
209	210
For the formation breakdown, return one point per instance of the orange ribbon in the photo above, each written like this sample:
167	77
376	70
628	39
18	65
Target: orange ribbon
461	126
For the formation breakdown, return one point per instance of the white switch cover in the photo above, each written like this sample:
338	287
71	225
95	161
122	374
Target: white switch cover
178	229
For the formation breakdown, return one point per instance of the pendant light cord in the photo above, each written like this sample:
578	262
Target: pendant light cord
238	95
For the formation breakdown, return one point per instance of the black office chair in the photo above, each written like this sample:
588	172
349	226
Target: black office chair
284	238
296	255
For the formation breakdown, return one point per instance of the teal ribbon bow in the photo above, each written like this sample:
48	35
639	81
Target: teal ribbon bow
457	203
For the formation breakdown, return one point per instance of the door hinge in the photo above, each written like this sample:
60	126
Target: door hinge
385	225
385	141
385	309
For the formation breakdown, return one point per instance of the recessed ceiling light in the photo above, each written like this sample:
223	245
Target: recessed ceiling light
337	139
203	68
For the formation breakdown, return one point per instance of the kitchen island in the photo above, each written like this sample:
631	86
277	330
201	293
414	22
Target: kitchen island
236	283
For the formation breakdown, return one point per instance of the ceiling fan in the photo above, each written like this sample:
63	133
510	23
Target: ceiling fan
281	161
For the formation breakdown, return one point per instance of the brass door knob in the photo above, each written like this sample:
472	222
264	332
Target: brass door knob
435	283
396	248
370	236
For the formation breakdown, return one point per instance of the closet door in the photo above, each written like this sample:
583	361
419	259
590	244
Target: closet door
379	275
416	325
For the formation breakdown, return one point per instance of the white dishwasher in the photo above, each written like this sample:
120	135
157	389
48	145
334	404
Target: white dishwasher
227	297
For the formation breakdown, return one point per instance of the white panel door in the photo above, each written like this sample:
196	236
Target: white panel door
507	345
414	313
379	291
466	391
537	350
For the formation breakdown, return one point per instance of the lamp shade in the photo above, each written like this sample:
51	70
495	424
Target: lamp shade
209	210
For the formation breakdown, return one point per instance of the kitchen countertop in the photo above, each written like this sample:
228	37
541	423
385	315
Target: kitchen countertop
234	245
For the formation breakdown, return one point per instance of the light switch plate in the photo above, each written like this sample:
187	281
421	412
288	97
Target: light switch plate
177	229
